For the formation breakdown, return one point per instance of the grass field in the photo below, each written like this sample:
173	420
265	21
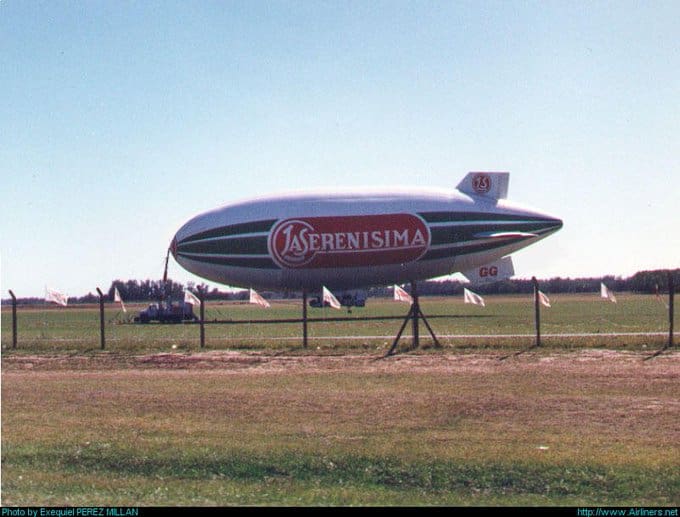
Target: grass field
76	329
256	421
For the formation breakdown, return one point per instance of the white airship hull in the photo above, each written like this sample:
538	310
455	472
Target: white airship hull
354	239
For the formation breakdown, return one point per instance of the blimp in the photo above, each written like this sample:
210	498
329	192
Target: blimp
353	239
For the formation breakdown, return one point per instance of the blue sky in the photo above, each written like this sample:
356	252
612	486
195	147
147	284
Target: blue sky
121	120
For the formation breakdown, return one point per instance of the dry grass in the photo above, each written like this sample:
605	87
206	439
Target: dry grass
587	427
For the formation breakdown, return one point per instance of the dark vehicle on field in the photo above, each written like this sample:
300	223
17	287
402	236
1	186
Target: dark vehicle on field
167	313
355	298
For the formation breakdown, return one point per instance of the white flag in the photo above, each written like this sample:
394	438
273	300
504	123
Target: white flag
257	299
658	296
117	298
191	298
471	297
401	296
332	300
605	292
55	296
544	299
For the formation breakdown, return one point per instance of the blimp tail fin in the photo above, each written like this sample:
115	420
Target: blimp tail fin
491	185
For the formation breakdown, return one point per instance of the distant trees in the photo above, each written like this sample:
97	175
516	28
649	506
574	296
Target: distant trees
650	281
146	290
642	282
154	290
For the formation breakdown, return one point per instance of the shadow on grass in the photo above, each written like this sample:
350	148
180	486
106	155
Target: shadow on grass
659	485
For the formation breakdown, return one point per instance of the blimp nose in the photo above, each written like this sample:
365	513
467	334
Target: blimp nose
552	223
558	224
549	225
528	221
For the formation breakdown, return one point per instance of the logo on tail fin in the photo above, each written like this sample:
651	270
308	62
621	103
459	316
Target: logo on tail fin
481	183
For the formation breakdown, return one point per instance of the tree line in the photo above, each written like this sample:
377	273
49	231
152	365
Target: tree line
644	282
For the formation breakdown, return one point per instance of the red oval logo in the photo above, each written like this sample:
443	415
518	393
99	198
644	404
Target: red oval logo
348	241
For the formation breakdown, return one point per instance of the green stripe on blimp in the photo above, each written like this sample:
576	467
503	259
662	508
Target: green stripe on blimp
463	250
227	246
232	230
455	217
248	262
454	234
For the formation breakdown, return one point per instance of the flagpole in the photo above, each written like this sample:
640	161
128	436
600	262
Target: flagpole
114	316
537	311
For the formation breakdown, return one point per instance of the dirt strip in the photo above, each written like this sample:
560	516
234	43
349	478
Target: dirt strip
596	359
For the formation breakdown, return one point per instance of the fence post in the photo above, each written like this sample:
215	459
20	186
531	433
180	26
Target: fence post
14	319
537	311
201	298
671	296
415	311
101	318
304	317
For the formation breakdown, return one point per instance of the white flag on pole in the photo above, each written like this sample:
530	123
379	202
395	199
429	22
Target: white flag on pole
543	298
607	293
256	299
332	300
117	298
191	298
402	296
658	296
55	296
471	297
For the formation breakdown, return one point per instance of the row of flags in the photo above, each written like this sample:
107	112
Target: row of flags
253	297
54	296
468	297
475	299
400	295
